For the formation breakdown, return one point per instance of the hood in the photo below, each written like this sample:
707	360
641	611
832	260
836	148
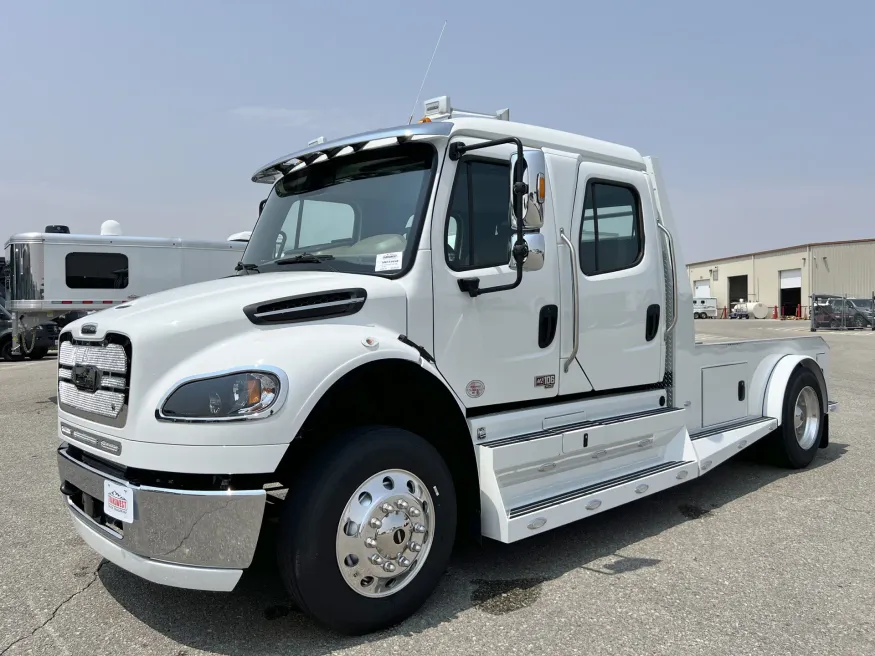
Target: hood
206	312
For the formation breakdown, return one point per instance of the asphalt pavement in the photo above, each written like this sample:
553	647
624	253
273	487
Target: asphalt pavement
749	559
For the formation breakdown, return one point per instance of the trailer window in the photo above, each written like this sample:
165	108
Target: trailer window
96	270
478	231
610	236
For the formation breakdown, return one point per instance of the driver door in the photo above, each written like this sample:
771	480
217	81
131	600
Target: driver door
500	347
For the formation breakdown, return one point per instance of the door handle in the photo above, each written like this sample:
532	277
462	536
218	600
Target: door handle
652	323
575	301
547	325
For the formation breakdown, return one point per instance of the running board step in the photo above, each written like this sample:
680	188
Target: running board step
559	510
717	445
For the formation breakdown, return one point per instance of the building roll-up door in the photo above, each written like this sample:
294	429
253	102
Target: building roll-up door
703	288
791	279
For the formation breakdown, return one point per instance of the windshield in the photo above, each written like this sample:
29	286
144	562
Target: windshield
363	209
862	303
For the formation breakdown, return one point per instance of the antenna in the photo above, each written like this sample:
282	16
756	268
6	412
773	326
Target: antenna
416	102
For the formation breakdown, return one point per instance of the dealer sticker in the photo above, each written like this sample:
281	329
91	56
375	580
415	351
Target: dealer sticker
388	261
118	501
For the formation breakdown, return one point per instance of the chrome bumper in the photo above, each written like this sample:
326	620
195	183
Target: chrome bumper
178	537
832	406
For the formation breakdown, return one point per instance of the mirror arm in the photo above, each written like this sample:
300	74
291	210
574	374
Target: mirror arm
520	251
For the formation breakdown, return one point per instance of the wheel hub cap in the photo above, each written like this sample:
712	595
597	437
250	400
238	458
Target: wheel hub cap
384	533
806	417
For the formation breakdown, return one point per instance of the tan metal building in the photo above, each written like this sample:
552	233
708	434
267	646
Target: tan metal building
787	277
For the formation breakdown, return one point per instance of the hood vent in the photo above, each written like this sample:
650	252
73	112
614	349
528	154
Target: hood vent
308	307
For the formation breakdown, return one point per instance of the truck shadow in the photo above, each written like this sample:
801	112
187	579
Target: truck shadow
497	579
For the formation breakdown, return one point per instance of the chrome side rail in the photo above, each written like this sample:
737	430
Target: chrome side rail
575	301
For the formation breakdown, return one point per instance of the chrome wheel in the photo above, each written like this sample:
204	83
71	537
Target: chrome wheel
806	417
384	534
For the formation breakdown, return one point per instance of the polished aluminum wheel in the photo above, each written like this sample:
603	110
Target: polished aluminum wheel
385	533
806	417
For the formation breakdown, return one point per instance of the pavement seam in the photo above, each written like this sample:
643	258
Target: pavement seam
57	610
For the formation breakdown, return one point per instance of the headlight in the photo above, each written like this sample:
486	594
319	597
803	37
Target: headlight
238	395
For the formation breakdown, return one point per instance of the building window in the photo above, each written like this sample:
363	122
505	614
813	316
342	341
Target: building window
611	232
96	270
477	233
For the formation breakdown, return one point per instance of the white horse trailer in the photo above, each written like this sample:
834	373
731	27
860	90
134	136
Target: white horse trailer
53	274
704	307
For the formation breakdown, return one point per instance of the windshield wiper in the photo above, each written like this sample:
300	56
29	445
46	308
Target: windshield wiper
305	258
246	266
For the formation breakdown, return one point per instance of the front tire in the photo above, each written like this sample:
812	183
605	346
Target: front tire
368	530
38	353
795	443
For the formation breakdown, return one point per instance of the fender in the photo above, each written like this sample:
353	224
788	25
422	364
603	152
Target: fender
773	402
353	353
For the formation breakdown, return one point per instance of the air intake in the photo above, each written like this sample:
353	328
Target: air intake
308	307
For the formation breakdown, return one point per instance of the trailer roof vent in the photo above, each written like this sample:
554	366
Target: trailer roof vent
58	229
110	228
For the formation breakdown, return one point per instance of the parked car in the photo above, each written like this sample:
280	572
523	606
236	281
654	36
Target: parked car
35	344
856	312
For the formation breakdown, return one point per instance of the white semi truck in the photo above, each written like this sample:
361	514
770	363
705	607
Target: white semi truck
404	389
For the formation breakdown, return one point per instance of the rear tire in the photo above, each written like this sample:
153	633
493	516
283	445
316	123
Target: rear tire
794	445
6	350
396	485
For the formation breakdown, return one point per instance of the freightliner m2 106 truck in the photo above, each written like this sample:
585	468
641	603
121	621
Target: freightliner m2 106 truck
464	325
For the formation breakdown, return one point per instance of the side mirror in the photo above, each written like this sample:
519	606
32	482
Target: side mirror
261	206
530	207
535	259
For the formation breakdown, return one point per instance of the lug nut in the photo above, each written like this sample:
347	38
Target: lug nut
401	503
414	512
387	508
418	528
404	562
375	523
371	543
376	559
415	546
389	567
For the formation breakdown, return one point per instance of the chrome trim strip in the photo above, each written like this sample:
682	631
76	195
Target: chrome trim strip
281	396
732	425
674	279
315	306
545	504
558	430
575	301
268	172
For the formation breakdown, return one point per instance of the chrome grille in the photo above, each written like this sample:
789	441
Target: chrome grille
108	403
111	357
102	402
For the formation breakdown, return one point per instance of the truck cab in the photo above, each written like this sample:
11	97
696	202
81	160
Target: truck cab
462	326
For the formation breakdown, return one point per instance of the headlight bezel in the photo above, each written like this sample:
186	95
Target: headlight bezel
266	370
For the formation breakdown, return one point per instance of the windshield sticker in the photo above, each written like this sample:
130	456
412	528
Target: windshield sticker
388	261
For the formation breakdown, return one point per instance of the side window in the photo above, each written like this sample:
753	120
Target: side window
610	238
477	232
96	270
316	223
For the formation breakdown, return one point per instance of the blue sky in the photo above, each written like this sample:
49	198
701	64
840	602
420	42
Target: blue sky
156	113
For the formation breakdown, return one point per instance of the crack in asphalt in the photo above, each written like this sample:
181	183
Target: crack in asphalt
56	611
826	499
